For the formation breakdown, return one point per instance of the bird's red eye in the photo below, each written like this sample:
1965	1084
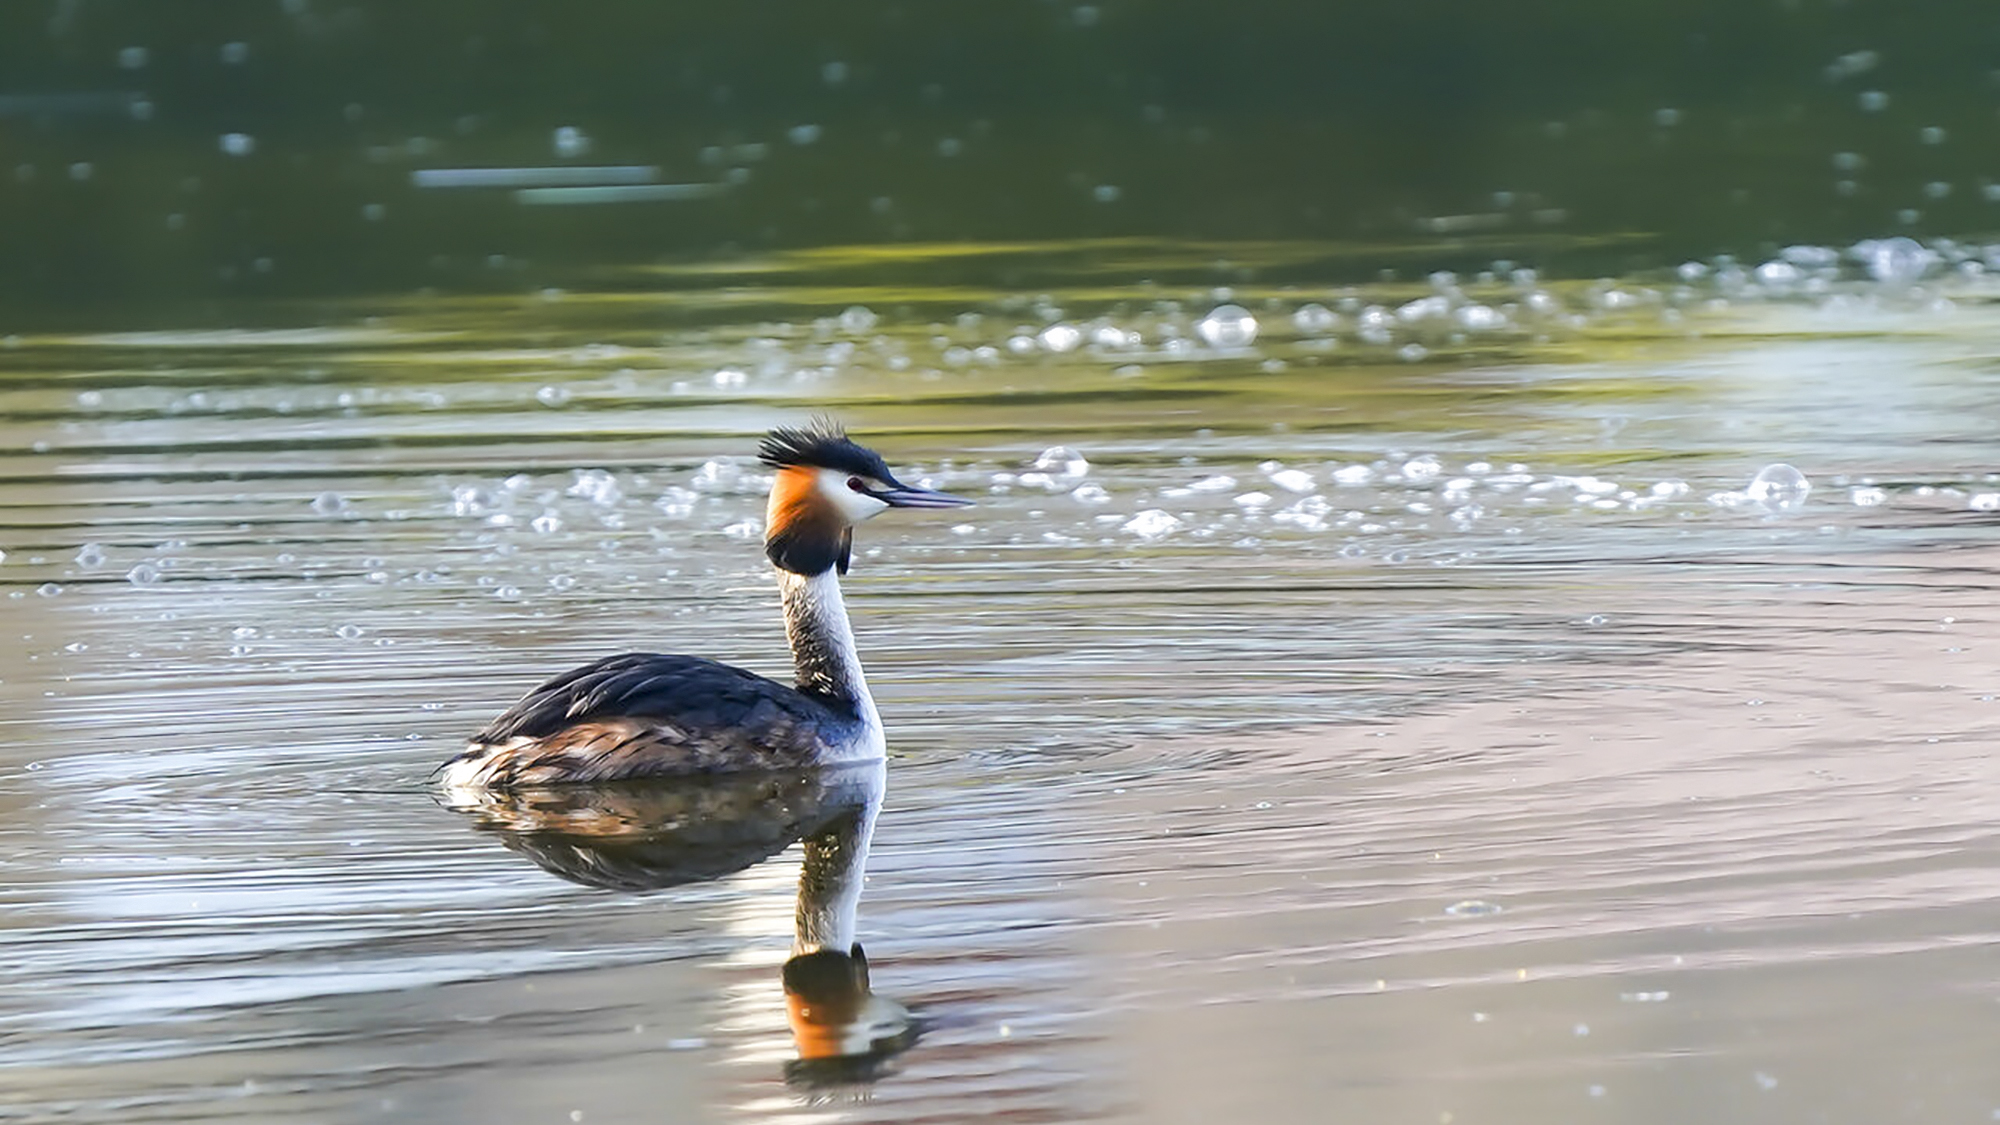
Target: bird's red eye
857	484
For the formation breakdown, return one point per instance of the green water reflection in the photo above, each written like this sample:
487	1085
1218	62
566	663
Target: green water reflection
284	148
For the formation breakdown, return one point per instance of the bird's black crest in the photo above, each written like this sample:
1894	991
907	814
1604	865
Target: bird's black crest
821	445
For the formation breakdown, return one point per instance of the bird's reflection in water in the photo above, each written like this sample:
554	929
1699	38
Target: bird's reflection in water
649	835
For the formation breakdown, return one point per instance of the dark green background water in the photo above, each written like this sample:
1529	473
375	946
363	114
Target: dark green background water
1686	128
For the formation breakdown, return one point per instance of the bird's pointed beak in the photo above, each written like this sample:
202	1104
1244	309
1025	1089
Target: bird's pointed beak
903	496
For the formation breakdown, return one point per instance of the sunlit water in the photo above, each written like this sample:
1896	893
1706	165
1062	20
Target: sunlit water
1429	704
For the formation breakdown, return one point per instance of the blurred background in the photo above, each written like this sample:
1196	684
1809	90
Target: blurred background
160	154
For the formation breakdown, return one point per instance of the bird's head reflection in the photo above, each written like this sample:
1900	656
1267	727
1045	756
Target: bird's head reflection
644	836
844	1032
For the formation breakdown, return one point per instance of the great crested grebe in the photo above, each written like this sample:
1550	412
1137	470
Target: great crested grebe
643	714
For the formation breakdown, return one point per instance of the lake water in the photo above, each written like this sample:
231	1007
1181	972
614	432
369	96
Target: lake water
1414	703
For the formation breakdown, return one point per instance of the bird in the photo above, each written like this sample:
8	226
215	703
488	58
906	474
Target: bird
645	714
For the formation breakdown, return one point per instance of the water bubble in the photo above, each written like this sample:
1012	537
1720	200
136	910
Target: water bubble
1778	275
1779	488
350	632
89	555
143	574
570	141
858	319
1810	257
552	395
1931	135
1586	485
833	73
1353	474
1894	260
1873	101
729	378
1060	338
1152	524
1867	497
548	523
1293	480
374	212
1472	908
595	485
1308	514
238	144
714	475
1089	494
1227	326
1851	64
676	502
81	170
469	500
1667	118
48	589
1984	502
1424	308
1251	501
1315	319
1063	458
1412	353
329	504
1424	467
1480	318
1219	483
1106	193
803	134
132	58
744	529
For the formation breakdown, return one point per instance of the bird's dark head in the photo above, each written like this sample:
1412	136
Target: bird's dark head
826	484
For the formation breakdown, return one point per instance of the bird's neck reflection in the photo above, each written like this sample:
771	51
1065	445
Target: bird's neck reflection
640	836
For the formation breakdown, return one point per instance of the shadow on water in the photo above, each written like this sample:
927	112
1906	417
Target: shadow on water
640	836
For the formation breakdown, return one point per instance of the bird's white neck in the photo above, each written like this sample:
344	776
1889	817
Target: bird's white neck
823	642
830	878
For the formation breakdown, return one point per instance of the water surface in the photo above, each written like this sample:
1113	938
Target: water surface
1419	718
